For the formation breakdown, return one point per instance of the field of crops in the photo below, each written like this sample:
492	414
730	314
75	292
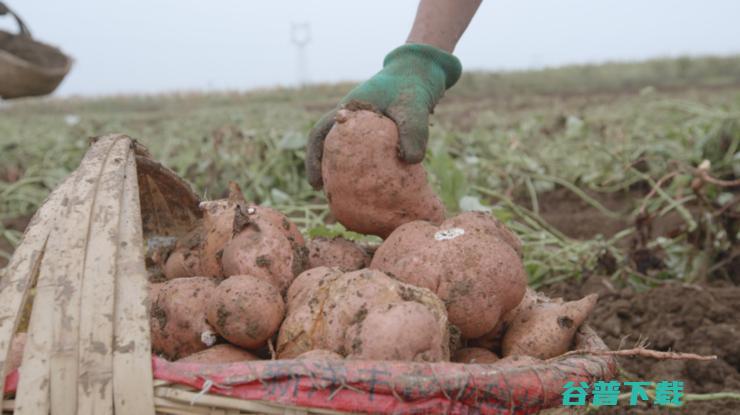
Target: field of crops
620	176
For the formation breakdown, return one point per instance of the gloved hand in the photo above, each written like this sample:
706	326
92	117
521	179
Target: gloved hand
414	77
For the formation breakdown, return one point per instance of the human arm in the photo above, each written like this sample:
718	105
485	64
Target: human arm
413	79
441	23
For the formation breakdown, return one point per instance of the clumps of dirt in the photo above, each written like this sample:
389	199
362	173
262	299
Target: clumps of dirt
699	319
32	51
577	219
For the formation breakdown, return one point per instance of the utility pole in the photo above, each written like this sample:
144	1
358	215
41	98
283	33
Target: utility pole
300	36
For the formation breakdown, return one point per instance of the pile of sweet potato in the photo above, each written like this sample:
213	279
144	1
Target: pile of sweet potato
245	285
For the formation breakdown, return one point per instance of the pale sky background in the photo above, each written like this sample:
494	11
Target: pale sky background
139	46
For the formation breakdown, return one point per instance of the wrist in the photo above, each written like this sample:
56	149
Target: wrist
429	56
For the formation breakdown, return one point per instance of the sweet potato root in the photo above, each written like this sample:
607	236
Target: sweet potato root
492	339
246	310
466	261
396	331
262	250
178	317
547	329
363	314
184	260
338	253
370	190
220	353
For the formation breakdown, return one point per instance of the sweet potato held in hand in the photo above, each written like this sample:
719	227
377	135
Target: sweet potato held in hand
369	189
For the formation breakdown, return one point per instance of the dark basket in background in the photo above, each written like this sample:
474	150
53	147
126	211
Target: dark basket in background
27	66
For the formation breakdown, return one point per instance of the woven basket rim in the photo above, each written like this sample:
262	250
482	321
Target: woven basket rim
11	60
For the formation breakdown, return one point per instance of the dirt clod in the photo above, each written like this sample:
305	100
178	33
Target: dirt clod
679	317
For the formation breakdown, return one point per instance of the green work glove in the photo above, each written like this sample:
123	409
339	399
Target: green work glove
414	77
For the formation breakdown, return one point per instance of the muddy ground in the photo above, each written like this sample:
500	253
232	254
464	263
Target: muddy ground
701	318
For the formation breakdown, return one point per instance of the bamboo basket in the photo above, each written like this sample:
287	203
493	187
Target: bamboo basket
20	77
88	347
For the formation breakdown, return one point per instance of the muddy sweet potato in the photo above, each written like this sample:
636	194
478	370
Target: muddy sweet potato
370	190
244	239
477	355
396	331
184	260
465	261
218	229
492	339
337	253
278	256
280	221
178	317
220	353
547	329
246	310
484	223
262	250
363	314
154	289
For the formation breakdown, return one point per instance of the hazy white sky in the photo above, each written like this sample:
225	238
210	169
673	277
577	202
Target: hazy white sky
165	45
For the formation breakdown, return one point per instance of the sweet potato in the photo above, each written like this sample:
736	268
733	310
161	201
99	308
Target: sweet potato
154	289
178	317
219	218
224	222
336	252
246	310
158	249
547	329
483	222
329	309
290	230
15	354
303	288
320	354
220	353
370	190
396	331
262	250
492	339
465	261
184	260
477	355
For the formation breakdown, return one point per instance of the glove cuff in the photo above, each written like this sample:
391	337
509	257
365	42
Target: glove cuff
447	62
